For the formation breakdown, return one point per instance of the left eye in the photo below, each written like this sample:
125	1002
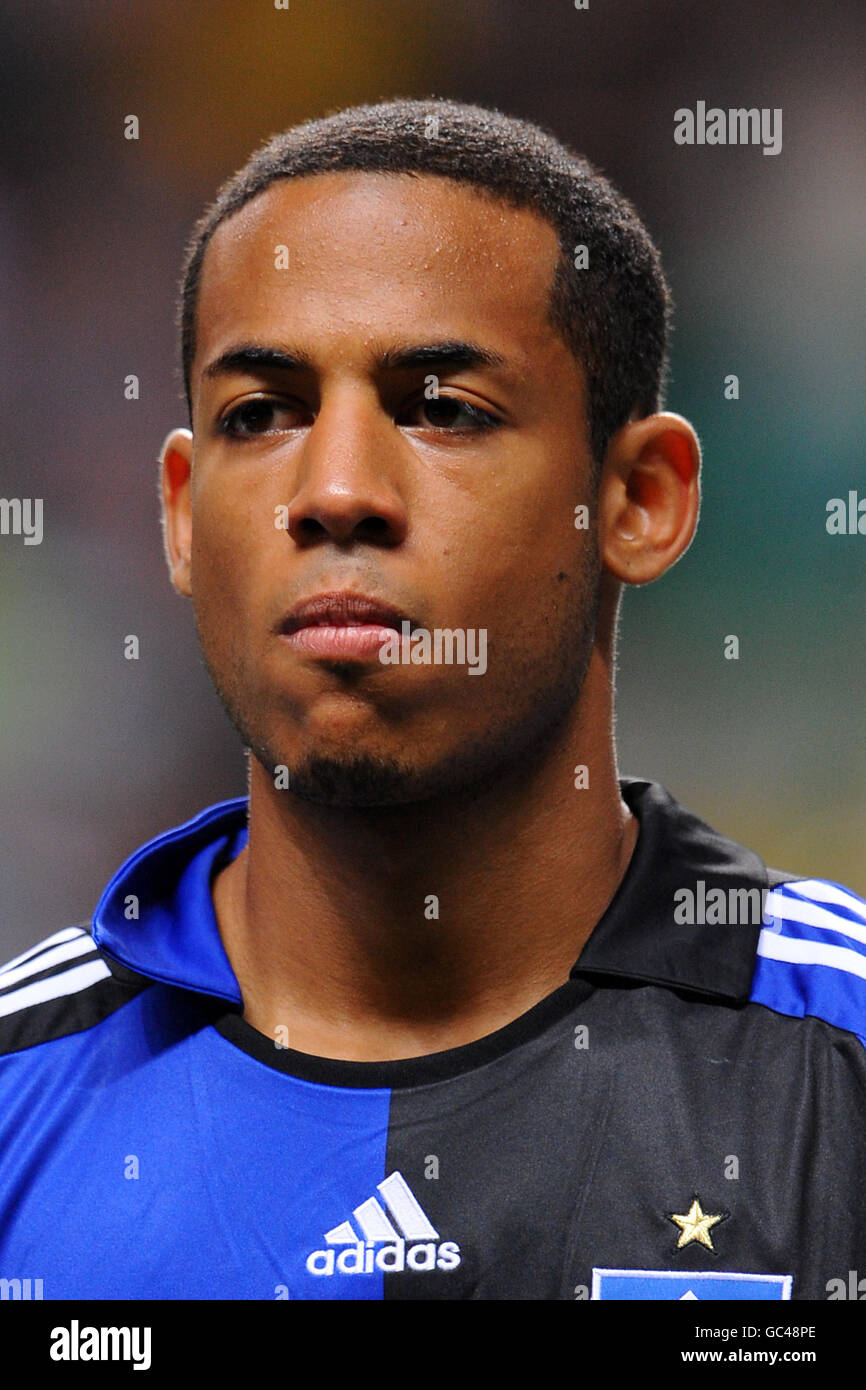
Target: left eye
448	412
255	416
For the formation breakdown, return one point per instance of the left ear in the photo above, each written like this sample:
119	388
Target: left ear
175	459
649	497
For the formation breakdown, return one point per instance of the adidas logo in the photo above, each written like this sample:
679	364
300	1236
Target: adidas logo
406	1239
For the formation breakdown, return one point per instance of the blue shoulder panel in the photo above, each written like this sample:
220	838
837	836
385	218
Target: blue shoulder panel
812	954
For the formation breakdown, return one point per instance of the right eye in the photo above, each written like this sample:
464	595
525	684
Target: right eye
256	416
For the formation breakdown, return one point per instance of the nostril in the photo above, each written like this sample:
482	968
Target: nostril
372	528
309	529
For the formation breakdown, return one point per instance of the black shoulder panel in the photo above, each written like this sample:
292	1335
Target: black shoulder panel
62	985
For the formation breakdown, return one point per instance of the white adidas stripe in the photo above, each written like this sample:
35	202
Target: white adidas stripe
782	908
826	893
65	935
789	948
406	1209
374	1222
68	951
344	1234
68	982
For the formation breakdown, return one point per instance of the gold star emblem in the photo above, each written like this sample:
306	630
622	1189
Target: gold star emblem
695	1225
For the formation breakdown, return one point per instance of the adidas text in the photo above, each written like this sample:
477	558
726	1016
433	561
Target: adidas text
364	1258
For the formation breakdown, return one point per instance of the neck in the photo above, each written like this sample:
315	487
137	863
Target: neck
394	932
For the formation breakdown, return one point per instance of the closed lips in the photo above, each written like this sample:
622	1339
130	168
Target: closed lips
341	610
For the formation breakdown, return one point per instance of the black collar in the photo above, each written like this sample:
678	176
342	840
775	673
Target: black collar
639	937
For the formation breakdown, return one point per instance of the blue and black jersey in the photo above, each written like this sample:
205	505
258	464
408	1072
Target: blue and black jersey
685	1117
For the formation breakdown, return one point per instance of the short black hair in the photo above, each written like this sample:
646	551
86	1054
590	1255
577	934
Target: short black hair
613	315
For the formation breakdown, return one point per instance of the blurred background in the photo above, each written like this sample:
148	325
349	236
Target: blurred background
764	255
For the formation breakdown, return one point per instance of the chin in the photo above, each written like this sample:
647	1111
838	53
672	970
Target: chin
358	779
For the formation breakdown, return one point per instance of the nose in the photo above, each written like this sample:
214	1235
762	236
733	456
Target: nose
348	482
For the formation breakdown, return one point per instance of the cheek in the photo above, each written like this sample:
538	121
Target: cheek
522	549
229	537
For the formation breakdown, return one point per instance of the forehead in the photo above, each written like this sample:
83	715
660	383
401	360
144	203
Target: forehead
378	253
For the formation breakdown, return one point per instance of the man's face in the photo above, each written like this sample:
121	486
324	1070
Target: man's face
456	512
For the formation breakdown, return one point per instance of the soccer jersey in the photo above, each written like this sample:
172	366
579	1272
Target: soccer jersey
684	1117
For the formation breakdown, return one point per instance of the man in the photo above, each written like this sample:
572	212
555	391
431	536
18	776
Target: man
445	1009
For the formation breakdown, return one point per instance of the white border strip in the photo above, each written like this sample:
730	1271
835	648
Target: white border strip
70	982
690	1276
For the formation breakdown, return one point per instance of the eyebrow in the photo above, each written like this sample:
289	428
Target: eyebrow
452	352
253	358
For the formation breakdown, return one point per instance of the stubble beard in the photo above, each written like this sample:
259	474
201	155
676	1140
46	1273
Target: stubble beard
537	702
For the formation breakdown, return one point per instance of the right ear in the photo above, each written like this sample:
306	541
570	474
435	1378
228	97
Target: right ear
175	458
